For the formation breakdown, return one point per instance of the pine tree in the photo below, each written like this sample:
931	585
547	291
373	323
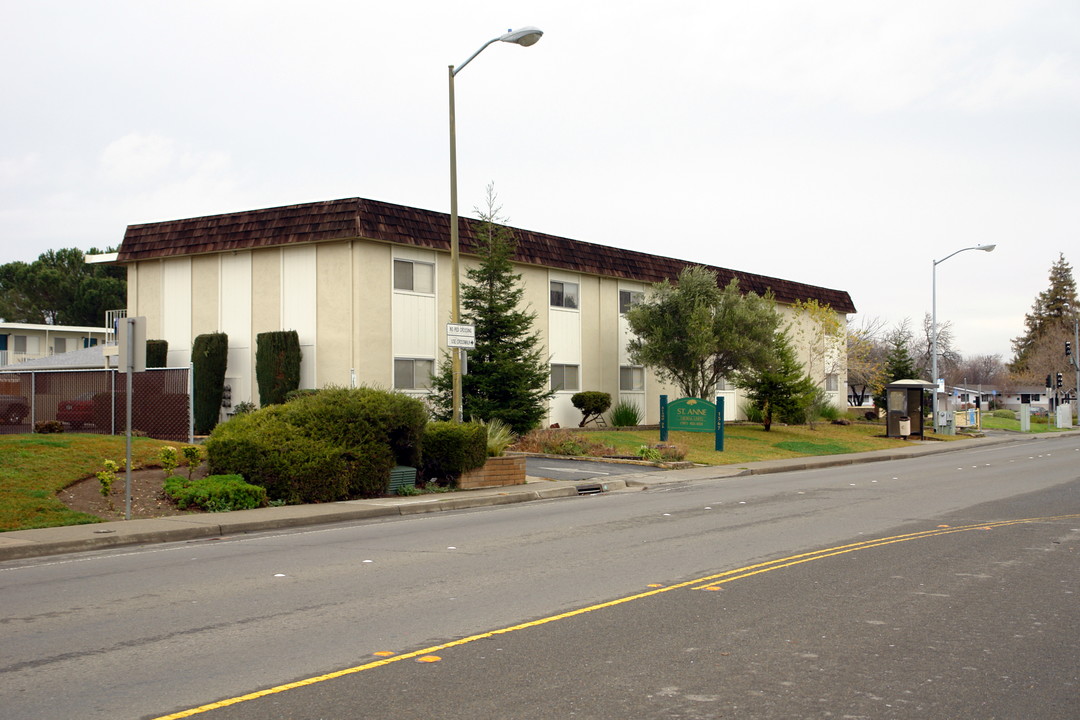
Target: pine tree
508	374
779	388
899	364
1052	311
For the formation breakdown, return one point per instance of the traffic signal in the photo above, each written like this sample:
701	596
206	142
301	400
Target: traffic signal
1068	348
1048	383
1059	379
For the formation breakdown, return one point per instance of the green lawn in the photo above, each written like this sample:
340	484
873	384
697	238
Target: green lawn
33	468
995	423
744	443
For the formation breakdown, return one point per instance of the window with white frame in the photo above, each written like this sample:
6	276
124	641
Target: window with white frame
832	382
59	346
722	385
628	299
418	277
631	378
564	294
564	377
413	373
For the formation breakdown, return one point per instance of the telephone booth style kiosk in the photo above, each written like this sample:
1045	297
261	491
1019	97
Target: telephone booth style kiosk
904	399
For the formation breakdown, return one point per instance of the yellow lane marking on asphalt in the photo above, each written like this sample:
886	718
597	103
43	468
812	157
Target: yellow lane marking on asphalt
703	583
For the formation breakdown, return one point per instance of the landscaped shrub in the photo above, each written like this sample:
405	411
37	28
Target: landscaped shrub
331	445
210	357
1005	414
625	414
592	405
828	411
269	452
216	493
449	449
277	365
499	436
561	442
350	416
48	426
302	392
157	353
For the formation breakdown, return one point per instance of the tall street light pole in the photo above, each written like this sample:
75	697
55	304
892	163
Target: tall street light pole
933	335
525	37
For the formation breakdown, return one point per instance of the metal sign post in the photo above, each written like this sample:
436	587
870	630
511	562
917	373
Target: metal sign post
132	357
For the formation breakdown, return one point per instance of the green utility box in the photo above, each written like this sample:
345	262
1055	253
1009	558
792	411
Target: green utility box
402	476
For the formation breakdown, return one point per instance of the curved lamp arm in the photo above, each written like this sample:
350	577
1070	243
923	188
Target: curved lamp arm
525	37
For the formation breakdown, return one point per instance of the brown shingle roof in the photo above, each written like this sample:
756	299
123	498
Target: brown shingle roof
360	218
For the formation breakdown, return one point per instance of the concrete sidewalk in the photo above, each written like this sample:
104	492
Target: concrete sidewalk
20	544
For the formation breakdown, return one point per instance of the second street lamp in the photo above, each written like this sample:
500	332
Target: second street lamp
525	37
933	336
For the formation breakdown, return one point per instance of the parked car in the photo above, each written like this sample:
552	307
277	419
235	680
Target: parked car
77	411
13	409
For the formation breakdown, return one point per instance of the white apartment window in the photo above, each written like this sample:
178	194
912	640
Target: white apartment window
631	378
412	373
721	385
564	377
564	294
413	276
25	344
59	346
832	382
628	299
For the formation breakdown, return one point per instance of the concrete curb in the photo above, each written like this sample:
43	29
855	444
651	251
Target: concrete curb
23	544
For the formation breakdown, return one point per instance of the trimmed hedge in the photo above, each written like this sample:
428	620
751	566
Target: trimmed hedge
277	365
451	449
331	445
210	357
157	353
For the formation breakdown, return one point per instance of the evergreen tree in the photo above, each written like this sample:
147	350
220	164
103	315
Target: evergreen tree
59	288
899	364
1051	314
508	374
779	387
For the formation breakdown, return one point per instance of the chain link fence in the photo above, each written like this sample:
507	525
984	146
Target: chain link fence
95	401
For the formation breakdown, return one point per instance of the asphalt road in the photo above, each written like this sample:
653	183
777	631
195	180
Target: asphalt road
559	469
900	589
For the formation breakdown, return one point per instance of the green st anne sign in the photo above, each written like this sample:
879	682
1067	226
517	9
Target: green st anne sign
692	415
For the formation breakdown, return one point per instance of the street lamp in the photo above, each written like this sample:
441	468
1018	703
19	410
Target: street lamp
525	37
933	336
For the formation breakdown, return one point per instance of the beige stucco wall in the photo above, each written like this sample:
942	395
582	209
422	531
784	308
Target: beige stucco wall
205	294
354	309
334	308
371	302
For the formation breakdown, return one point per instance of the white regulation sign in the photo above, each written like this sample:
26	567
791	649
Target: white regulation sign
460	336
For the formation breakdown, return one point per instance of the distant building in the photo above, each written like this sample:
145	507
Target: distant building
23	342
366	285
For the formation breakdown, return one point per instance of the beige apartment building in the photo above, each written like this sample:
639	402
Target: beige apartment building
366	285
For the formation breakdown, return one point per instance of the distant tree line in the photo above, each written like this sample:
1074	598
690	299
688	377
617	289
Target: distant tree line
60	288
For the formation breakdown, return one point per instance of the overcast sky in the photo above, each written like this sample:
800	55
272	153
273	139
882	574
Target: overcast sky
843	144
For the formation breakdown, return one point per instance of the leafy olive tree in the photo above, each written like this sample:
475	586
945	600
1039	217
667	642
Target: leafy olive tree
693	333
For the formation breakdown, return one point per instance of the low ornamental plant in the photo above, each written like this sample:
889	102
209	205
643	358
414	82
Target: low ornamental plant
216	493
169	459
625	414
560	442
107	476
193	454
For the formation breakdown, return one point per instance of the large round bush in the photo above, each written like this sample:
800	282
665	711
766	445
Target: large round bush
332	445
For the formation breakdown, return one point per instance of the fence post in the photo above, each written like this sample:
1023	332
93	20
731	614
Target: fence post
191	403
33	397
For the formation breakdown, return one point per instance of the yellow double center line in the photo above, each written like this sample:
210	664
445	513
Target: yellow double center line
708	582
